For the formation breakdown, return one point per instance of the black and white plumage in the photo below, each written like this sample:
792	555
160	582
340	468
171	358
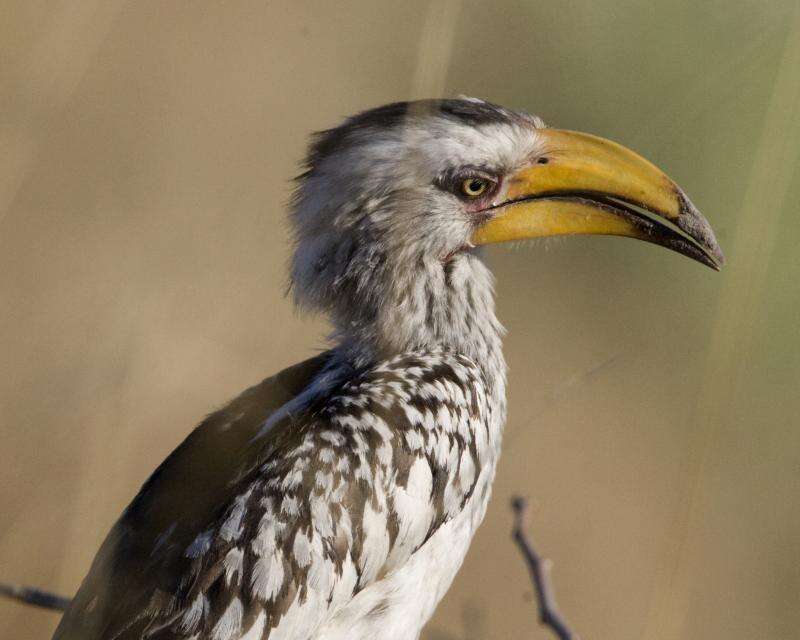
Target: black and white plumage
338	498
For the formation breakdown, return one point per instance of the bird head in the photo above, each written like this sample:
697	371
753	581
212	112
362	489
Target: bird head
396	201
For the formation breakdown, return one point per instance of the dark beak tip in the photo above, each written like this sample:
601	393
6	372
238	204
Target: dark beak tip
692	222
715	252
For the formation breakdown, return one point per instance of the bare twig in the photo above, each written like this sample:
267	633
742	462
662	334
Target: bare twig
34	597
539	568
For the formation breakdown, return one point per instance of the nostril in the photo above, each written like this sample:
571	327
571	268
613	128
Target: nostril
543	160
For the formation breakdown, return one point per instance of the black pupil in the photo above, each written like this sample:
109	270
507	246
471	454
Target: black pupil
475	185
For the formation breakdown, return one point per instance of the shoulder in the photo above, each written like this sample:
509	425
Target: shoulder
243	526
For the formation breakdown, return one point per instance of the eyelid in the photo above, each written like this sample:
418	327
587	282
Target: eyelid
477	173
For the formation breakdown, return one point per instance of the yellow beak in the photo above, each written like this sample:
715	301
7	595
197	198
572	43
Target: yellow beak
584	184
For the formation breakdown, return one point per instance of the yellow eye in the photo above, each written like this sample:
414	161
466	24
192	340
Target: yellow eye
474	187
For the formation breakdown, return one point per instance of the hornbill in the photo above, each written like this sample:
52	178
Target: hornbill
338	498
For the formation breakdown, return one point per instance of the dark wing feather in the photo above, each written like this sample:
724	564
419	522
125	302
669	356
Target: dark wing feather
144	549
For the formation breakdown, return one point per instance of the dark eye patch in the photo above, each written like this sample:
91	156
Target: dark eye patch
453	180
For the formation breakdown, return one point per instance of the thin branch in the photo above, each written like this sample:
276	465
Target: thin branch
35	597
539	568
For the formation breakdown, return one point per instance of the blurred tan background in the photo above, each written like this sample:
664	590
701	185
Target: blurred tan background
146	150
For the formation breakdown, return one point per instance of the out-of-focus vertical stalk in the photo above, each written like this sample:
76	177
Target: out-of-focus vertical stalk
776	153
44	80
435	48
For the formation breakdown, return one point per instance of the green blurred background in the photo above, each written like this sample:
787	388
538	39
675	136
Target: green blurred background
147	149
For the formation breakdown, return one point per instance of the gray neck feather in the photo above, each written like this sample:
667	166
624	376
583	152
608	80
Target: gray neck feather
436	306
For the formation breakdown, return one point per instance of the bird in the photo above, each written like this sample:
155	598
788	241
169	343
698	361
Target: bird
337	499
